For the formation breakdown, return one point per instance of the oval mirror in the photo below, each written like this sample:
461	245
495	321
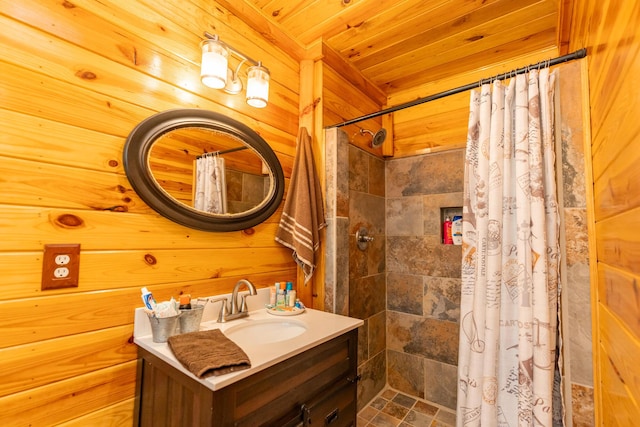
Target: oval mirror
203	170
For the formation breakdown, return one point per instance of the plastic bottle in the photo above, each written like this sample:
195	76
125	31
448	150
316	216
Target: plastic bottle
456	230
279	295
287	295
292	298
447	238
185	302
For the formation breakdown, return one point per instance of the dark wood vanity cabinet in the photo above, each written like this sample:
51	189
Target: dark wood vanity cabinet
314	388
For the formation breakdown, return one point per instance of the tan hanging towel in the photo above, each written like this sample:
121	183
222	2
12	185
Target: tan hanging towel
303	213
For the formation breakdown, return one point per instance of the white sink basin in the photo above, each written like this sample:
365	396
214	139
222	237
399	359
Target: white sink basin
265	331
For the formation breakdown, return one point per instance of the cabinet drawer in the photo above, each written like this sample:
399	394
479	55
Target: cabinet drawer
283	389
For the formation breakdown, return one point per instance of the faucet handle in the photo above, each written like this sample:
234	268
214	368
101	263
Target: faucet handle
223	308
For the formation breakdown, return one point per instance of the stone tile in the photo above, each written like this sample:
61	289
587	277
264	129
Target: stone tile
405	293
367	296
417	419
331	259
404	400
404	216
375	254
582	405
425	408
373	379
341	301
389	394
363	342
442	298
376	176
579	307
573	176
577	240
361	422
423	255
385	420
377	333
358	260
431	174
358	170
431	210
395	410
425	337
379	403
406	373
336	174
368	413
441	383
234	185
252	188
366	210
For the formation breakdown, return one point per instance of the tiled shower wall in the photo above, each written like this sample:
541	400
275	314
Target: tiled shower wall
423	276
355	279
410	336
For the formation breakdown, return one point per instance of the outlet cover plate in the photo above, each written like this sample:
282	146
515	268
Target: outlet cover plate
70	254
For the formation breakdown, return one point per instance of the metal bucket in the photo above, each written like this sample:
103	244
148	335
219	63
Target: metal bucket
163	327
190	319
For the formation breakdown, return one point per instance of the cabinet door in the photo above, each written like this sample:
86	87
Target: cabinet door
335	407
168	398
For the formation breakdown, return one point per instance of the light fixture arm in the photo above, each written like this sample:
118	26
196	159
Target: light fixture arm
233	50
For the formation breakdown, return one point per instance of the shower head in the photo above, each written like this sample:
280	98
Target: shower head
376	138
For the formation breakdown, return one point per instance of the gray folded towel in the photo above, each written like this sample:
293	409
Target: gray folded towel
208	353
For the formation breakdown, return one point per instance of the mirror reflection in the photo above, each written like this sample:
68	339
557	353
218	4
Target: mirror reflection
210	171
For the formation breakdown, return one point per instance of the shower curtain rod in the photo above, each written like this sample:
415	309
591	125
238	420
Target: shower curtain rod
546	63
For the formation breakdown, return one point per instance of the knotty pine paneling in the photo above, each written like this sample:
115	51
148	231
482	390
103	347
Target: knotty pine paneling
77	78
65	400
609	31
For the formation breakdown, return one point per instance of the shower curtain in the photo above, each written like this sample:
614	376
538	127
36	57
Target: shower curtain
210	193
510	275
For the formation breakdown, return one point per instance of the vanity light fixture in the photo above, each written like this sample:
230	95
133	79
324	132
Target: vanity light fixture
215	71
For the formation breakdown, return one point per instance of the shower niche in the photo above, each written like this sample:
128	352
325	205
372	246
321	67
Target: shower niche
446	230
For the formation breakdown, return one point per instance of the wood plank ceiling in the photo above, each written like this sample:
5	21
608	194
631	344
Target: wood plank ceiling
402	44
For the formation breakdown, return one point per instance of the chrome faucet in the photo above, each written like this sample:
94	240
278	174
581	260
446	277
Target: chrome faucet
235	312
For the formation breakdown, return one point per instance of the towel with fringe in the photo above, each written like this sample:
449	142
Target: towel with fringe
303	212
208	353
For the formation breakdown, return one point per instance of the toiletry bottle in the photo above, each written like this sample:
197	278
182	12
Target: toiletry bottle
447	238
287	295
279	295
272	296
185	302
292	298
456	230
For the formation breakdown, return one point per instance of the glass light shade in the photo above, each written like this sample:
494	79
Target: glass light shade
258	86
213	71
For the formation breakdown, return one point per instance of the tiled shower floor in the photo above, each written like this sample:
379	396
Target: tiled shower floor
393	409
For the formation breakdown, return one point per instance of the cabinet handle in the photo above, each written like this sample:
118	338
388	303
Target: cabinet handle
333	416
354	380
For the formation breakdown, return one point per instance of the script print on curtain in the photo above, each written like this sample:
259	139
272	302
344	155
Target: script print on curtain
210	194
510	276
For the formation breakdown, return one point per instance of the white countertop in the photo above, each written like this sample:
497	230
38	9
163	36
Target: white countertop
320	327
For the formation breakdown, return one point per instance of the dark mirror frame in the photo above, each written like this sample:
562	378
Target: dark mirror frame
136	166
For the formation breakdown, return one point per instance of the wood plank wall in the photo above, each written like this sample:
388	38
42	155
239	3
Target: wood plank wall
76	78
609	31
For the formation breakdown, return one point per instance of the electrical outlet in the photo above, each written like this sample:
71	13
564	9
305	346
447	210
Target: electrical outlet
60	266
62	259
61	272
